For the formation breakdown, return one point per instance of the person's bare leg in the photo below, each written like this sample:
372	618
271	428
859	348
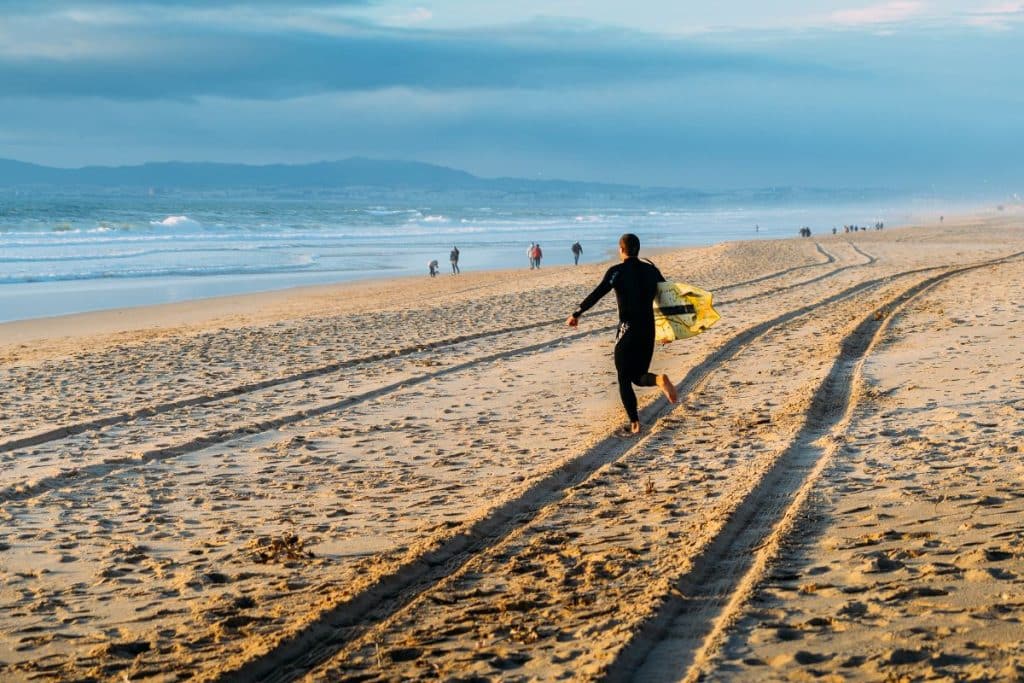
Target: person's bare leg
666	385
634	427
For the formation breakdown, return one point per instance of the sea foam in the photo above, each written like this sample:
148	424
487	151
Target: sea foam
177	222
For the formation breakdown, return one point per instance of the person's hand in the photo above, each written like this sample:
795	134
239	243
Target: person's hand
572	321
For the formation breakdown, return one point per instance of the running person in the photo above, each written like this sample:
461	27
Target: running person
636	284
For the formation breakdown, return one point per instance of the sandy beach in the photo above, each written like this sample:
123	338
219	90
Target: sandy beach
419	478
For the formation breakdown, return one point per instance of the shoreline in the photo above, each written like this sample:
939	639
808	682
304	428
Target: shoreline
63	296
250	307
255	307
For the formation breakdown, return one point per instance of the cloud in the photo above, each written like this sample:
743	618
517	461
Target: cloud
1000	17
179	58
721	132
417	15
267	82
887	13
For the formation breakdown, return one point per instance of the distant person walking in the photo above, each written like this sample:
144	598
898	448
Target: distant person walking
529	255
577	249
454	258
636	284
433	266
537	255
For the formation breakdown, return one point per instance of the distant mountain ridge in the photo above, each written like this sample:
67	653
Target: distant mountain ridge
362	177
353	172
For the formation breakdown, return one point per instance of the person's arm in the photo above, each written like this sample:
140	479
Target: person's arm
603	288
658	277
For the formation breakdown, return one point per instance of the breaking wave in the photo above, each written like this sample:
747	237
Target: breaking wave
177	222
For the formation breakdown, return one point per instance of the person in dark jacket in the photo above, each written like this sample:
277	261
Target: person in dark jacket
635	283
454	258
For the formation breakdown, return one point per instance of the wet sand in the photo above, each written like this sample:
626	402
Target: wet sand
414	479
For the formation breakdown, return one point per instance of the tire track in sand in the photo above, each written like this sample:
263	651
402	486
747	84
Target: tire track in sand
333	630
676	642
476	588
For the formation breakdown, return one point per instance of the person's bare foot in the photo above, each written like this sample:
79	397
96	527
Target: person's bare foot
629	430
665	384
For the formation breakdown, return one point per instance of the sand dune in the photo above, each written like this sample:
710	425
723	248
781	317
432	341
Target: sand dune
421	479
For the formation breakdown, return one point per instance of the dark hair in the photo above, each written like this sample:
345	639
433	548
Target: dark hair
630	244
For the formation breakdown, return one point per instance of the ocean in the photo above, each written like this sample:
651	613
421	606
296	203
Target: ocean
71	252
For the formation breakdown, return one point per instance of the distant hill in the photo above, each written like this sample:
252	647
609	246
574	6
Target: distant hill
355	172
363	178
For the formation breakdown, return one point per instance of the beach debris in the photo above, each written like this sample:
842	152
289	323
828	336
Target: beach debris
268	550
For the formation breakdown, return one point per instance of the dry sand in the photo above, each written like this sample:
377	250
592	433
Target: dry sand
416	479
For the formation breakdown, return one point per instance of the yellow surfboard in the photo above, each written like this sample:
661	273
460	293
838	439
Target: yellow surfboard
681	311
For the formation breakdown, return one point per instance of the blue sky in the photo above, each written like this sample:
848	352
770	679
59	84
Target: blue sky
840	93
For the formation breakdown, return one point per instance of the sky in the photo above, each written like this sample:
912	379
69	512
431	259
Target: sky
738	93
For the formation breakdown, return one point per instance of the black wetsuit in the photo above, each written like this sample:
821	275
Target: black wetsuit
636	284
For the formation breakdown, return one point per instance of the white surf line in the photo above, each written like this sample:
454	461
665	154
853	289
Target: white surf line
64	431
337	628
679	639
